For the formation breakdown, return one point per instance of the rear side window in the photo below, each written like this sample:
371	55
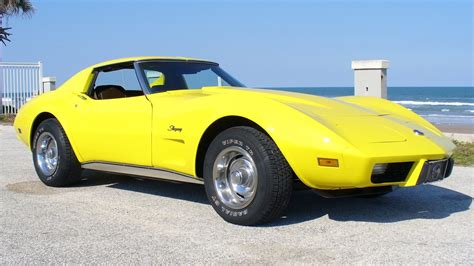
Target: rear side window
125	78
119	82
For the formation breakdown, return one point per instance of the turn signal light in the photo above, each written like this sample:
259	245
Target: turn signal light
328	162
379	169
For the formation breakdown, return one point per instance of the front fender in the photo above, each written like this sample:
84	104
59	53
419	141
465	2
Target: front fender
300	138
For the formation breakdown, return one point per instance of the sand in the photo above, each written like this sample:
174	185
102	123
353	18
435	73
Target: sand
458	132
450	128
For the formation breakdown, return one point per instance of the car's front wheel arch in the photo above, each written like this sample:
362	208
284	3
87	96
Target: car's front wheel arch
36	122
215	129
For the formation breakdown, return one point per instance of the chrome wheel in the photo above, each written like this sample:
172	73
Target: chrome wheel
235	177
47	153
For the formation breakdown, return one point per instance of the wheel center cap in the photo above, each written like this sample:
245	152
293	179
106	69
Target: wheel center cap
236	177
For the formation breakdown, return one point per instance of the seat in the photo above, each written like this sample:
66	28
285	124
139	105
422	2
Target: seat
104	92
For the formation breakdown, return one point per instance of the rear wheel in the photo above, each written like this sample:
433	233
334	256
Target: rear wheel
53	157
247	179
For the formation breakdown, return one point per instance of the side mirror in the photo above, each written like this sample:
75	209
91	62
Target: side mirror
155	78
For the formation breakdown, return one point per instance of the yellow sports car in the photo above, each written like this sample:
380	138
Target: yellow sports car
187	120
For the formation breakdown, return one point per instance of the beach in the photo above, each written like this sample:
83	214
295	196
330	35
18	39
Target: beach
450	128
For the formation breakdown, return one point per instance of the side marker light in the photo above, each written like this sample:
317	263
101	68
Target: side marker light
328	162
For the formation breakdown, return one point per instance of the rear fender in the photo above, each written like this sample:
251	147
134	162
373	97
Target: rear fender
57	103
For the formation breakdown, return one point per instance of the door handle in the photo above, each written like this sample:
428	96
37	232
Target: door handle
82	97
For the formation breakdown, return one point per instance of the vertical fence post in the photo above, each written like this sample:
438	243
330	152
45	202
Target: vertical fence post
40	78
2	86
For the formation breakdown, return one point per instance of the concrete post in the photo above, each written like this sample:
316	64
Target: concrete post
370	78
49	84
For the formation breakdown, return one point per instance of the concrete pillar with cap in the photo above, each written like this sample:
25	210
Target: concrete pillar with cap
49	84
370	78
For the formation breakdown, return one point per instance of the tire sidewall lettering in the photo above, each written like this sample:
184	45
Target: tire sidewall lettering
38	132
236	142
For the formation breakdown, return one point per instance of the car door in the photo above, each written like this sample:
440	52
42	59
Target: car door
114	119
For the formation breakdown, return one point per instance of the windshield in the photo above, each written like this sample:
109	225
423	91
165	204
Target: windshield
166	76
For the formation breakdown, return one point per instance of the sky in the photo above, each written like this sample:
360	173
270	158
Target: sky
261	43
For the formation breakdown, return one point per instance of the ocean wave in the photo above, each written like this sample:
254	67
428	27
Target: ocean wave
435	103
453	116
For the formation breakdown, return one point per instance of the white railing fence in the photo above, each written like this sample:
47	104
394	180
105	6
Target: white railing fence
19	82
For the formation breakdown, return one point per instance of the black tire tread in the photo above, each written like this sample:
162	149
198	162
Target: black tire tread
281	173
75	170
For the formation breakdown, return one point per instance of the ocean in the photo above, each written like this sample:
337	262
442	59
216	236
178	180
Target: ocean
439	105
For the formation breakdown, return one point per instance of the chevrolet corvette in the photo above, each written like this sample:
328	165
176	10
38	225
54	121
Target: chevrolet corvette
187	120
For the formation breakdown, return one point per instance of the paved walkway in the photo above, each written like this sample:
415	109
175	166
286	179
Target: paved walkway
115	219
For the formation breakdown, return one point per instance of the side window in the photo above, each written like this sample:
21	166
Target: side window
116	83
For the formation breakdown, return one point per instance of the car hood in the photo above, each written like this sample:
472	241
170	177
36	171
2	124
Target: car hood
353	122
321	105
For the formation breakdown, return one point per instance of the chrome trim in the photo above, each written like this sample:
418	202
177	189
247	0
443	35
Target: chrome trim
235	177
143	171
47	156
418	132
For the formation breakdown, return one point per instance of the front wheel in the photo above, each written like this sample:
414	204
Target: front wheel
247	179
53	157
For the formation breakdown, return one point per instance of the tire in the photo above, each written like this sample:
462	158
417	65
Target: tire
53	157
259	179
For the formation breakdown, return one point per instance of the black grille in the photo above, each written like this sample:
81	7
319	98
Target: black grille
435	170
396	172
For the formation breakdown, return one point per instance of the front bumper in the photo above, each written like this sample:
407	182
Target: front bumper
356	164
432	171
356	172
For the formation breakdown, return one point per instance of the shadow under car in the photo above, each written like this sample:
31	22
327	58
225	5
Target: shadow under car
419	202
